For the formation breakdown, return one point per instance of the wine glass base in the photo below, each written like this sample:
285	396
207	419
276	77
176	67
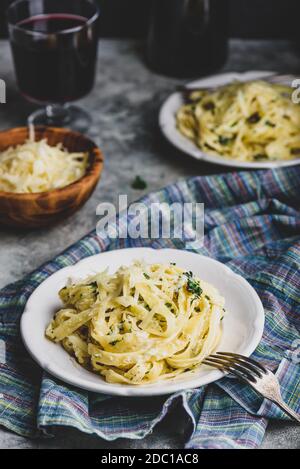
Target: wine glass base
67	115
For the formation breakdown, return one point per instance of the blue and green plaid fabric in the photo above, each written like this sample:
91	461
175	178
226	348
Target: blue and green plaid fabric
252	224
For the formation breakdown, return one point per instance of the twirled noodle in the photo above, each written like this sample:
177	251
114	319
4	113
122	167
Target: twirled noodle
144	323
251	121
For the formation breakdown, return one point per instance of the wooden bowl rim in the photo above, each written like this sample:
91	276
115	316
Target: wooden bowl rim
92	174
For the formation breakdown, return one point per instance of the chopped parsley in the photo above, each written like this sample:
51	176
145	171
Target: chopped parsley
193	286
254	118
139	183
225	140
209	106
146	276
169	305
114	342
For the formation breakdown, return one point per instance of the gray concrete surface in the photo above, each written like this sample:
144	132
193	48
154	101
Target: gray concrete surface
124	105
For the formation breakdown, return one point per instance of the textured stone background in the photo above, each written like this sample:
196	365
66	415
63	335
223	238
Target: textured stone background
124	104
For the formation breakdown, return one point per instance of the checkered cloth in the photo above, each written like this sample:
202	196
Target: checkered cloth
252	224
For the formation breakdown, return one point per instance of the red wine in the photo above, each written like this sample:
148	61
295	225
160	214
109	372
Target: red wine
53	23
55	57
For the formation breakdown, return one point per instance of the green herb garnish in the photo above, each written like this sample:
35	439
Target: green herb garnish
225	140
209	106
139	183
114	342
254	118
270	124
146	276
193	286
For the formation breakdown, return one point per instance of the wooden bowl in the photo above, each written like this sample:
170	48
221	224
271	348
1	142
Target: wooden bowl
46	208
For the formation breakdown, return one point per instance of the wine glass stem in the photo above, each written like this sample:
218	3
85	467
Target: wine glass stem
61	115
57	113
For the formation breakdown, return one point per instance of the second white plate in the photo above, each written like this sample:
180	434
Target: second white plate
167	123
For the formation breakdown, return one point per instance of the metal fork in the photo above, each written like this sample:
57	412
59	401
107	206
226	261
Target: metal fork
248	370
274	78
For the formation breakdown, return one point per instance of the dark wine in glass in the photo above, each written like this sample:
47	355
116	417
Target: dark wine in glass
54	45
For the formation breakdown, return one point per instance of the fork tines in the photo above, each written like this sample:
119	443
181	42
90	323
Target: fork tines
243	367
257	376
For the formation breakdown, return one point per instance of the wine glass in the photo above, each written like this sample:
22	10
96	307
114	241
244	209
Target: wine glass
54	46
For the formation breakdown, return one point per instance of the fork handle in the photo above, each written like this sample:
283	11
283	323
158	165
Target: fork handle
287	410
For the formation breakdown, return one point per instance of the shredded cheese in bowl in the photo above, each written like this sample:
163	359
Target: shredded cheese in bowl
38	167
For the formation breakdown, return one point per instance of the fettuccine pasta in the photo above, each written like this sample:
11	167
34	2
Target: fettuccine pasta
252	121
142	324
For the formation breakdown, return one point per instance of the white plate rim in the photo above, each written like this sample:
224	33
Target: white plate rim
160	388
168	128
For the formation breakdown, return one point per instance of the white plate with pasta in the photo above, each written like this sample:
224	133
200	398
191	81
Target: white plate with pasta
138	322
243	121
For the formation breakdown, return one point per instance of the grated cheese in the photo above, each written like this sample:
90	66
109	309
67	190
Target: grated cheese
37	167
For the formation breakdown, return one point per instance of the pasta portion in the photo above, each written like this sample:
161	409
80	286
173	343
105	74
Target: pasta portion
144	323
252	121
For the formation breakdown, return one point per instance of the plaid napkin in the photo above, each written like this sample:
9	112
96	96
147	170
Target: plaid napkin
252	224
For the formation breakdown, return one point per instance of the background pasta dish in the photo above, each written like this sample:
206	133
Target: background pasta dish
252	121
